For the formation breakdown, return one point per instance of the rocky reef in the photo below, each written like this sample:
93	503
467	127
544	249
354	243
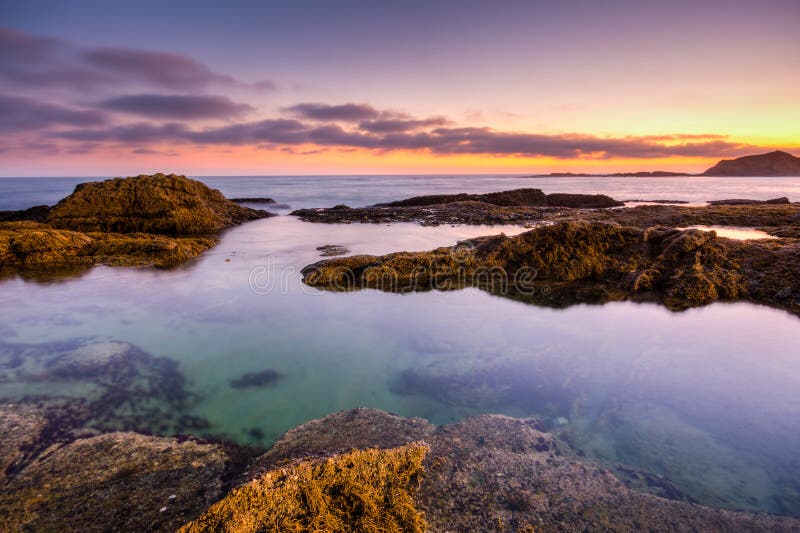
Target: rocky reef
518	206
358	470
159	220
516	197
582	261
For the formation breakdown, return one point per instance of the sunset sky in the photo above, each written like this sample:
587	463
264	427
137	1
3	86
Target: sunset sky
251	88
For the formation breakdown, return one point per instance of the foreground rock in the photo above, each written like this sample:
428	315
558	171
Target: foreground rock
494	473
487	473
579	261
369	490
775	163
160	220
111	482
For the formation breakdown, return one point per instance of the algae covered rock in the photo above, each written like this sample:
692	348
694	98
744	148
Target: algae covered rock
164	204
364	490
113	482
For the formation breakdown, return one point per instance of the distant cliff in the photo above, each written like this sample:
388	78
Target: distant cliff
775	163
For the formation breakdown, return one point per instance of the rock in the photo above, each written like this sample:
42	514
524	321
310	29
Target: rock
775	163
491	469
367	490
738	201
21	427
516	197
467	212
263	378
679	268
513	198
114	482
162	204
36	214
332	250
27	244
255	200
592	201
145	220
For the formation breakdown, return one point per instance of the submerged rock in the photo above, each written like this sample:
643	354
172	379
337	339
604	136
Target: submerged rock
263	378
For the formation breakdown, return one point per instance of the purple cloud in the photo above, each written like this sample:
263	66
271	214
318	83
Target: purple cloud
400	124
159	68
175	106
342	112
32	62
20	114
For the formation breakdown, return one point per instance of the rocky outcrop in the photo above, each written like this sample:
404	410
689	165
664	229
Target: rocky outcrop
740	201
513	198
775	163
162	204
577	261
154	220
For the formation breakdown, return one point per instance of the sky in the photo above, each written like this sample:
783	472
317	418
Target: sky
95	88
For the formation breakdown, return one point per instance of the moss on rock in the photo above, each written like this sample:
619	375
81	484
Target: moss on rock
367	490
165	204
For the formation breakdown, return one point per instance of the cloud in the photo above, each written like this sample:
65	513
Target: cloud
36	62
342	112
176	106
441	141
399	124
159	68
21	114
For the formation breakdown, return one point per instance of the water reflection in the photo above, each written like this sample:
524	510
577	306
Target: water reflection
706	398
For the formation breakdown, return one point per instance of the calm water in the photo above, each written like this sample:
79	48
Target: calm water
708	398
355	191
